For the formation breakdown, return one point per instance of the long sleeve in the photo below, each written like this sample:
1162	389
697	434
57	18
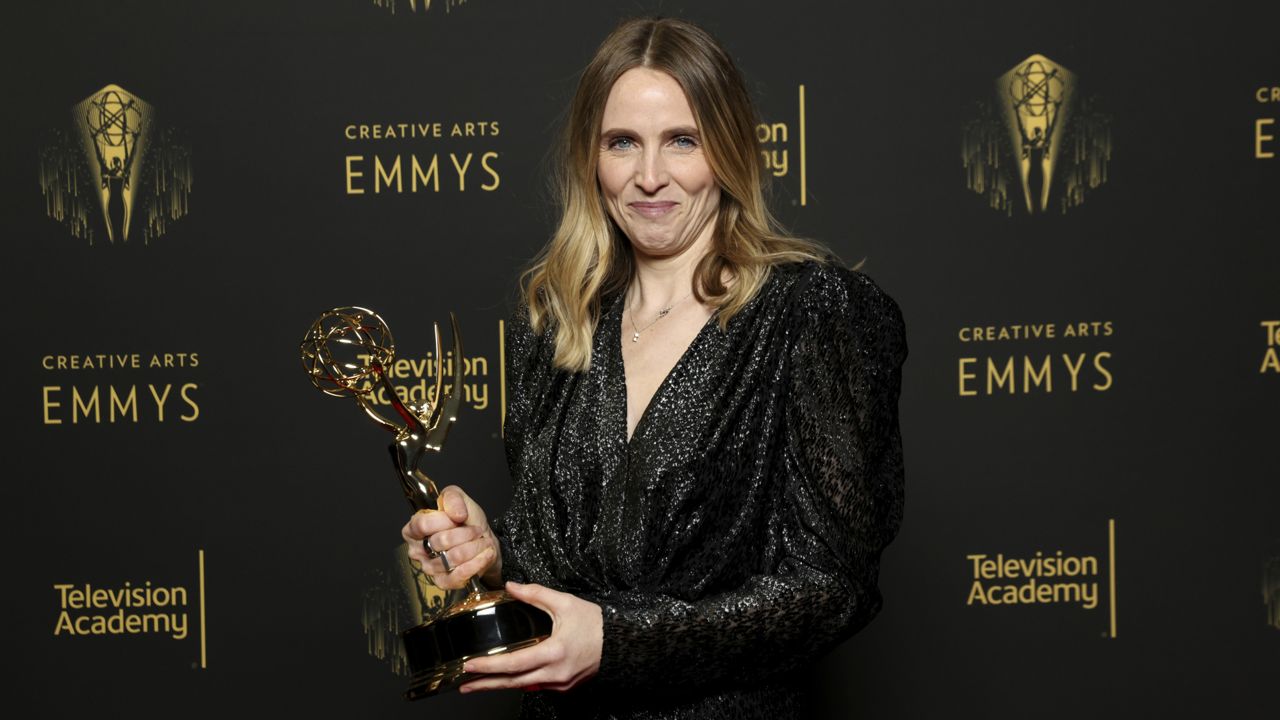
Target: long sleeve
520	347
840	455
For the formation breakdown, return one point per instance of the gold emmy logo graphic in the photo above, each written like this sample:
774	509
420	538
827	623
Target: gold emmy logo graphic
1037	143
118	164
414	5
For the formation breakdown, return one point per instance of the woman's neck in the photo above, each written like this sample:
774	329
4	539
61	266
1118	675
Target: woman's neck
660	282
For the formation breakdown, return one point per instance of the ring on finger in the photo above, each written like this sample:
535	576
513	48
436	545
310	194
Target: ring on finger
433	554
426	545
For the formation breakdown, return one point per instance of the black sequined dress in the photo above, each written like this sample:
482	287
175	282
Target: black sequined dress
737	536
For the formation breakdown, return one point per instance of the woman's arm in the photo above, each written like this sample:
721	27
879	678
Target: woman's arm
572	653
521	347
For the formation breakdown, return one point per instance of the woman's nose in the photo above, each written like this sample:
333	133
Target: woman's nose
651	175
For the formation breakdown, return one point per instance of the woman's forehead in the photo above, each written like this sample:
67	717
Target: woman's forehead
644	98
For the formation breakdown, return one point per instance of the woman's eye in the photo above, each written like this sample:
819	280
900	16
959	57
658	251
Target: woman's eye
685	142
620	143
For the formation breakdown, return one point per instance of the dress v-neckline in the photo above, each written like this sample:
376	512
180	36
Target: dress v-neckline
666	380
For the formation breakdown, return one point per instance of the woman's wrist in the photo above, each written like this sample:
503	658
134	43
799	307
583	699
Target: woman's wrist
492	575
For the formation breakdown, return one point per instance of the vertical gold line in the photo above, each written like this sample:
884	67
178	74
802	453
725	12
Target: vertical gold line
502	374
1111	538
804	178
203	658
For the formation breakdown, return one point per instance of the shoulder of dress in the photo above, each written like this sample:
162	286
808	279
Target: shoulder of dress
837	309
522	342
828	290
518	324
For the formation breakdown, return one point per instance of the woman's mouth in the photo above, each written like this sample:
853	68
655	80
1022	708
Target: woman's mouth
651	209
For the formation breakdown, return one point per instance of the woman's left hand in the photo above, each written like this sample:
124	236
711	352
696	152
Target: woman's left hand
570	655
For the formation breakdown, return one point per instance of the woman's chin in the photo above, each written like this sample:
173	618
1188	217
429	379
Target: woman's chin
657	247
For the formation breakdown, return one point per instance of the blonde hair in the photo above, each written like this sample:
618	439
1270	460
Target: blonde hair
589	256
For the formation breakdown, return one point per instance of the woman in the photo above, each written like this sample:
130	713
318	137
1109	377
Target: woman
702	427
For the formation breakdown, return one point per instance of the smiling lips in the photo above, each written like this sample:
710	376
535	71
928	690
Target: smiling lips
652	209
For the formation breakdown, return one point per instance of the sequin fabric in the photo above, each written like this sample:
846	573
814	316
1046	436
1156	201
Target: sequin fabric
737	536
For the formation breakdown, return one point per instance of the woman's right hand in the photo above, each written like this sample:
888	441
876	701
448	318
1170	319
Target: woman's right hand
459	530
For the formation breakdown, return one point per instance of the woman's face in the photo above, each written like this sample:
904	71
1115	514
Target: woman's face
653	173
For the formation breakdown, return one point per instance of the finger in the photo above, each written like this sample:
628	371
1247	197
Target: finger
433	567
456	537
528	683
457	557
426	523
415	551
413	534
459	554
524	681
543	678
539	596
408	533
521	661
464	572
453	502
432	548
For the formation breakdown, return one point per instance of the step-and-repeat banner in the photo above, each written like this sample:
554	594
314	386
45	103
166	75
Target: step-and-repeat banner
1075	207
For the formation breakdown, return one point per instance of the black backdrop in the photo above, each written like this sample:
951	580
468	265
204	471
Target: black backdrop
273	510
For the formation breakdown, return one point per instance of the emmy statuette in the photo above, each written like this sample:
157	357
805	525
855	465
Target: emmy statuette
346	353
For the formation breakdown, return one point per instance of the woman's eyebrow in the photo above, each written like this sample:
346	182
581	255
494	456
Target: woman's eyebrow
678	130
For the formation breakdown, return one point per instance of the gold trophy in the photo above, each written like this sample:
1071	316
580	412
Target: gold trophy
346	353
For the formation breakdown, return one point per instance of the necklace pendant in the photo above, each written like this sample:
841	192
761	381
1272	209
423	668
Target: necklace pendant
635	337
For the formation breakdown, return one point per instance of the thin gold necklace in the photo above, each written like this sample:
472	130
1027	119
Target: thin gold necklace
635	331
